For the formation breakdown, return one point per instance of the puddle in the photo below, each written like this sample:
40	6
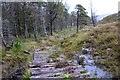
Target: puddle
43	69
95	71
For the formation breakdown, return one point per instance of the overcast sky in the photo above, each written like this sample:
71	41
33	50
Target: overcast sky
101	7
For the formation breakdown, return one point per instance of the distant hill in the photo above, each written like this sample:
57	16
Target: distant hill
100	17
110	18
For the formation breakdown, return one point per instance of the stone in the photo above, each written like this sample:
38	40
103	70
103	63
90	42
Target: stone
74	62
85	75
50	60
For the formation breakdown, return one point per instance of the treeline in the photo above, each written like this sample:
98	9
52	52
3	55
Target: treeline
39	18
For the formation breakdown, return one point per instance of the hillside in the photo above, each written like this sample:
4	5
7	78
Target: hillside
110	18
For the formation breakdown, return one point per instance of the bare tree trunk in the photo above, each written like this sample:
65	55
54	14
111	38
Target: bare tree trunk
52	15
54	28
34	21
26	31
92	15
51	26
77	21
35	29
24	18
16	21
44	27
36	34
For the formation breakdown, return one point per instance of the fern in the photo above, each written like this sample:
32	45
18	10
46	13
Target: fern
17	46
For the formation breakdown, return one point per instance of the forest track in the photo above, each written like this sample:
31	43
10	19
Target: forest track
40	68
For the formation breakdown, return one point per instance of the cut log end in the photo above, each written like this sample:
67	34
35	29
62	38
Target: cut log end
26	52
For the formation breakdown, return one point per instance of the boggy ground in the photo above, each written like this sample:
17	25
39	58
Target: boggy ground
88	52
49	64
100	42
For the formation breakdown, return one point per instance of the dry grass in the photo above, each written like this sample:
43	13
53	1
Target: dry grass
105	37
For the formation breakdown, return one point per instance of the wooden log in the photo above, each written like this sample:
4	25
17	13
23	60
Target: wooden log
26	52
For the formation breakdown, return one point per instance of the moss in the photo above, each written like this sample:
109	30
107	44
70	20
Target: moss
30	45
96	53
72	44
100	37
104	38
73	35
115	48
67	43
11	61
27	75
101	62
66	76
80	42
55	55
85	71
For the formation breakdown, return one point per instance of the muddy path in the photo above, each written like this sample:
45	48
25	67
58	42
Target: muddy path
44	67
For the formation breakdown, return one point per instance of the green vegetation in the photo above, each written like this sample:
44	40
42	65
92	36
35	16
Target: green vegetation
15	57
72	43
11	62
0	52
27	75
52	29
84	71
29	44
85	19
17	46
110	18
66	76
104	39
55	55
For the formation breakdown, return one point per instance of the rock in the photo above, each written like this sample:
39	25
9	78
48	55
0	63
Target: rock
60	59
33	66
1	62
70	69
52	38
57	49
50	60
92	37
74	62
48	65
61	64
8	55
108	49
85	75
81	60
70	61
37	50
84	52
62	56
46	76
87	50
89	62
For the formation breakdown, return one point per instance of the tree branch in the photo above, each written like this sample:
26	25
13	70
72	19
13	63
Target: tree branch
54	17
